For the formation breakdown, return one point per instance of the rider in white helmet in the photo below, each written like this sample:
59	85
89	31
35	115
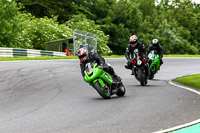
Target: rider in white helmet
155	46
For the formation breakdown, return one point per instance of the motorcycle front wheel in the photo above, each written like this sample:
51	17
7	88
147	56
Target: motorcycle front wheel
103	91
141	77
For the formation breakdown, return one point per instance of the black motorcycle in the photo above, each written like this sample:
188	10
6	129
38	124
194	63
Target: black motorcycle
139	68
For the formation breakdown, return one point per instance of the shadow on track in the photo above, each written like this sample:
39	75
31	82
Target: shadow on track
146	86
111	98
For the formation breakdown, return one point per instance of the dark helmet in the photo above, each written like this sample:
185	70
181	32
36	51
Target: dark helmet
133	40
83	54
155	42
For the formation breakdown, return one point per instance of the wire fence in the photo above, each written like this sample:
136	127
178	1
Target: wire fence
84	39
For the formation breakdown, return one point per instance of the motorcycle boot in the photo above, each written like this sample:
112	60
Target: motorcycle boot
117	80
127	66
132	73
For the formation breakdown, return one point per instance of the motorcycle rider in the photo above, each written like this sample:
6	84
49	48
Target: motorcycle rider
133	47
86	57
155	46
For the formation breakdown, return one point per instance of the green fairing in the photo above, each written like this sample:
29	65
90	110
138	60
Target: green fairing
107	77
155	63
97	75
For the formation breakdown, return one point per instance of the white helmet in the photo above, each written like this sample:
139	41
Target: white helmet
155	41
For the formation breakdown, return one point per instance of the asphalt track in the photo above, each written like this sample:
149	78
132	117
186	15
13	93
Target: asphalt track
51	97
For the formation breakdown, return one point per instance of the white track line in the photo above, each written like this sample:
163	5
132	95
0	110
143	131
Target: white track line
178	127
184	87
184	125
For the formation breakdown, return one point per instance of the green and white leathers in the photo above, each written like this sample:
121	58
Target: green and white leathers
102	81
154	63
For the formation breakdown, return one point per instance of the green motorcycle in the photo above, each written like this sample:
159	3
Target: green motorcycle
154	63
102	81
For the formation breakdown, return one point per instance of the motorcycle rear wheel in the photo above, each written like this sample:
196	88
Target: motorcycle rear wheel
151	76
121	91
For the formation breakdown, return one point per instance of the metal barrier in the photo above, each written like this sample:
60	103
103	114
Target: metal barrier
18	52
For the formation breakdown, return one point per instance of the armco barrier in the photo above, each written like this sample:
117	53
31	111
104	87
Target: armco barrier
6	52
46	53
33	53
18	52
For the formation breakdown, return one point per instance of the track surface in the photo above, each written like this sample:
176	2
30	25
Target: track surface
51	97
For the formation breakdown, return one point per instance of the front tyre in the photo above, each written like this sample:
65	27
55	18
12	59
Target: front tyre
141	77
103	91
121	91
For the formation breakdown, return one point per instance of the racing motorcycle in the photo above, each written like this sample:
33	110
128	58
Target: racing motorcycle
138	68
154	63
102	81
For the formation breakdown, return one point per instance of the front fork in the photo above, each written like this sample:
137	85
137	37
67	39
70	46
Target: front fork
146	68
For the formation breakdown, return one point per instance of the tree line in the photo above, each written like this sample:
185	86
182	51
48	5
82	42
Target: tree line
31	23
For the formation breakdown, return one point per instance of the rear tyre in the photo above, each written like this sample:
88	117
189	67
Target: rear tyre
121	91
103	91
151	76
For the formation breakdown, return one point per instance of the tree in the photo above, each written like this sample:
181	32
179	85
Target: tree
23	30
190	21
36	31
62	8
174	22
120	24
9	23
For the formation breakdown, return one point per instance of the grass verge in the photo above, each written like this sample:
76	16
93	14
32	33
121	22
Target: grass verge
184	55
192	81
74	57
50	58
114	56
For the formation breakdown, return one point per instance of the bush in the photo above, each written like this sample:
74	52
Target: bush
26	31
9	23
36	31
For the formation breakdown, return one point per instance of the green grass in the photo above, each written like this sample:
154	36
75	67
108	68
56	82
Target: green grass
114	56
72	57
192	80
184	55
50	58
